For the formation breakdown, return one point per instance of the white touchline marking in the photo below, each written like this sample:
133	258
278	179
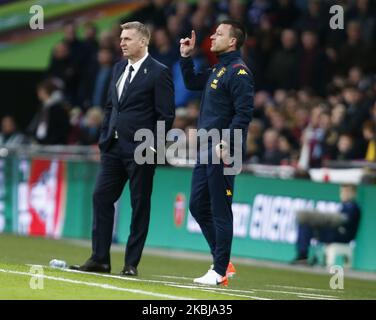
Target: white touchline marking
177	284
216	290
235	295
296	293
114	277
317	298
173	284
299	288
171	277
99	285
35	265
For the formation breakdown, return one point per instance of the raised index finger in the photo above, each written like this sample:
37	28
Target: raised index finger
193	36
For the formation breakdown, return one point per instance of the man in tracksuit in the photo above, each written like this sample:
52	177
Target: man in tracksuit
226	103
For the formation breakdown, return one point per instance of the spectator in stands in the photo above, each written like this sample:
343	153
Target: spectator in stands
346	148
313	64
261	99
289	155
185	96
279	122
329	137
311	152
10	136
282	69
201	22
300	121
63	67
106	40
337	115
373	110
357	112
255	145
155	13
261	47
369	133
90	42
286	13
96	82
363	11
76	116
175	28
315	18
256	10
163	49
272	154
237	10
51	124
90	126
181	119
79	58
354	52
193	112
342	230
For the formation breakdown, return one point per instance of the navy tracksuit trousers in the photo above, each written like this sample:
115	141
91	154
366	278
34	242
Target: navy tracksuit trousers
210	205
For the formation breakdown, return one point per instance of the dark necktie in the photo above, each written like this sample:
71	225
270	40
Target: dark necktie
126	83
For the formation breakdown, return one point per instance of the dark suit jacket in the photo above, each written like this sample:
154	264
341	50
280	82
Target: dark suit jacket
149	98
58	126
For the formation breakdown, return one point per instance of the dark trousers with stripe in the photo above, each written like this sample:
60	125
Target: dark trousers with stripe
210	204
115	171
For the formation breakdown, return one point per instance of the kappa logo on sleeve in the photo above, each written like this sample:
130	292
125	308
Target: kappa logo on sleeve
242	72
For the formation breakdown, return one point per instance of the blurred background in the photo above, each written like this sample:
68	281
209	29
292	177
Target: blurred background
314	124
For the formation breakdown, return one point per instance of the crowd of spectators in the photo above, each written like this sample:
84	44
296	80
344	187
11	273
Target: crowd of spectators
315	87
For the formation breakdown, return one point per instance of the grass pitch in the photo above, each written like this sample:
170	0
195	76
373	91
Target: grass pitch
160	277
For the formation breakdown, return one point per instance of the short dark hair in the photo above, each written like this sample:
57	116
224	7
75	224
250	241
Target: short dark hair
237	31
48	85
369	125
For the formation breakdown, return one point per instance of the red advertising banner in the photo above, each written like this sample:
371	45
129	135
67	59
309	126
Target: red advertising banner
46	197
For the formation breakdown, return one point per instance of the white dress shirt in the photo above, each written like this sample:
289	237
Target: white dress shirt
136	66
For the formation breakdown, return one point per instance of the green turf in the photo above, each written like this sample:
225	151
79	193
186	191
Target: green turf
157	276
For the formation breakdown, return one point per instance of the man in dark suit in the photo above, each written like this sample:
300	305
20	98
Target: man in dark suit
140	94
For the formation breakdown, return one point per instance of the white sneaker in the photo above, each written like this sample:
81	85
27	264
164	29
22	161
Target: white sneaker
211	278
230	272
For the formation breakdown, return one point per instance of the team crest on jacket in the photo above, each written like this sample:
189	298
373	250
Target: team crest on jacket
221	72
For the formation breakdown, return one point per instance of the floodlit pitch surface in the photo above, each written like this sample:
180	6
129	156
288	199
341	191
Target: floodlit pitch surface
160	277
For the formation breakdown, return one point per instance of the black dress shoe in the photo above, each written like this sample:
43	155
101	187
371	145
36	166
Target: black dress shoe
92	266
129	271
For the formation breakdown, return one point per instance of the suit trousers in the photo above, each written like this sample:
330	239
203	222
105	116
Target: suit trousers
115	171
